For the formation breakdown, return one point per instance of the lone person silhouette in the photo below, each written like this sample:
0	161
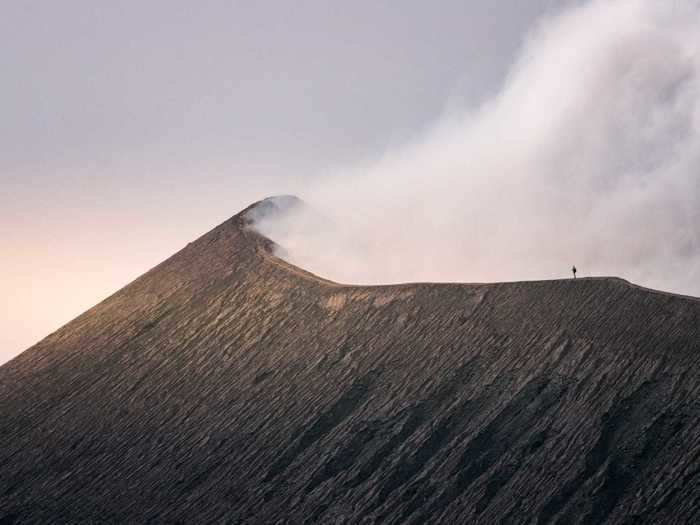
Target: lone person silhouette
573	269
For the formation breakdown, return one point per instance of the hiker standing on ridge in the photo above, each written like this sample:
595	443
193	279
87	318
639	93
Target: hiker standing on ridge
573	269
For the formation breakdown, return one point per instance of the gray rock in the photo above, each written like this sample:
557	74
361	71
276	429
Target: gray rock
225	385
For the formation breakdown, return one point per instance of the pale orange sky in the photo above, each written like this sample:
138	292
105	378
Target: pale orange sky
58	265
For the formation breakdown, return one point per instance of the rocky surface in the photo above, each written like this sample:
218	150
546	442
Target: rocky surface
225	385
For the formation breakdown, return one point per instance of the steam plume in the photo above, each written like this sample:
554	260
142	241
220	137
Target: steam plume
588	155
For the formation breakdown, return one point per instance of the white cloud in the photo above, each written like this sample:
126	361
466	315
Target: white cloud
588	155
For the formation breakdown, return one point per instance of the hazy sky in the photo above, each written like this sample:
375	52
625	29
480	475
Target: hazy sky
130	128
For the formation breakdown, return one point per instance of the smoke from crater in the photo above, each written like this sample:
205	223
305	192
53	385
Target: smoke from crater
589	154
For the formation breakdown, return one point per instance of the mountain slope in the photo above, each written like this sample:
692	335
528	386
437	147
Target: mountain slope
225	385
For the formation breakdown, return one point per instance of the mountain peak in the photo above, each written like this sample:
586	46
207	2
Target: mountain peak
225	385
272	206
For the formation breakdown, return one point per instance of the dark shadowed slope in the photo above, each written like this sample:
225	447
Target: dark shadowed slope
227	386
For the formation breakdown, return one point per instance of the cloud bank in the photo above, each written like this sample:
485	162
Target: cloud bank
589	155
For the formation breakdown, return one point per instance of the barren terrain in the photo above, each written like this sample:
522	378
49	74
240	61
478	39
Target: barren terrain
225	385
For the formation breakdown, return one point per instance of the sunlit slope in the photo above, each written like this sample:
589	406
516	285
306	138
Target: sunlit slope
227	385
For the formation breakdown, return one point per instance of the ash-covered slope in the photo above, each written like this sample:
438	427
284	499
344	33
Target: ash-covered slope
227	386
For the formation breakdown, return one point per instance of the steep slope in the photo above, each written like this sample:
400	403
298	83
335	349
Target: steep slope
225	385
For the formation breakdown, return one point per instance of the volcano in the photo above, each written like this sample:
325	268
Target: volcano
228	386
